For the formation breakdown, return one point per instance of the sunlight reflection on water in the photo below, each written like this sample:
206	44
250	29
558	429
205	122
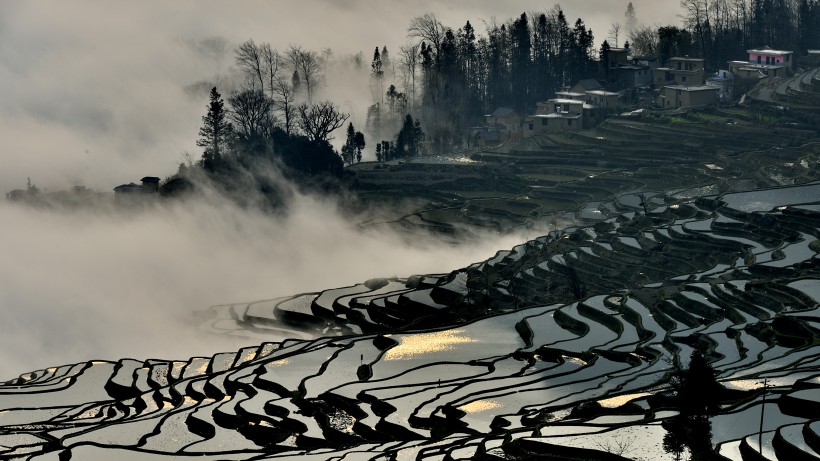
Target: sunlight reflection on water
480	405
413	346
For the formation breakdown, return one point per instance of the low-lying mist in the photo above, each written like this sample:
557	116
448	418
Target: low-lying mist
109	284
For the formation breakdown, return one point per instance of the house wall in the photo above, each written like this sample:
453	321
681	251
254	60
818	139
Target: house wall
699	98
558	124
660	76
696	77
764	58
641	77
618	57
673	98
510	122
537	125
575	108
748	74
603	101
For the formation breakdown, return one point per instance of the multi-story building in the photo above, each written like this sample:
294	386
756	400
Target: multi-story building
680	71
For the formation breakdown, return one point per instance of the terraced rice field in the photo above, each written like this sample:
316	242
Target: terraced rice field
560	347
542	182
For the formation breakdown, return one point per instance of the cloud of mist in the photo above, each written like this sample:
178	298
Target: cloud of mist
85	285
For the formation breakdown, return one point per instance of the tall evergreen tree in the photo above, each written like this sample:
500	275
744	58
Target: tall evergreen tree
215	131
521	42
543	81
583	48
603	56
409	138
697	396
349	147
565	42
359	143
377	77
353	146
631	18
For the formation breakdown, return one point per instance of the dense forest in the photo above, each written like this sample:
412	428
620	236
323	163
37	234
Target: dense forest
426	95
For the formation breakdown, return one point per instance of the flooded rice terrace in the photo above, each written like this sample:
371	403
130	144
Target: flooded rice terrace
568	335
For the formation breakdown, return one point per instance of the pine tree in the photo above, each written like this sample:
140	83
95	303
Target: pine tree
358	141
631	19
377	77
387	66
349	147
214	132
603	56
697	396
521	42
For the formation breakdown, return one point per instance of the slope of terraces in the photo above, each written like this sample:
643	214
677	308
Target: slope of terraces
547	178
801	90
561	347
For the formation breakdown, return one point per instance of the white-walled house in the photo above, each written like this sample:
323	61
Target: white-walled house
571	110
764	62
680	96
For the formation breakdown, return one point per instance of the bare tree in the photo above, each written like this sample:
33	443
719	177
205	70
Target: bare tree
427	28
615	32
644	41
697	14
249	59
308	66
286	102
261	64
318	120
272	63
408	62
324	57
251	114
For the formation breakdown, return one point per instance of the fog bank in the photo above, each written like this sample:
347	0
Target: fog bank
105	285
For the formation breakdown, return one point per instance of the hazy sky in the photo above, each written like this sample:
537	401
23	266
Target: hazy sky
93	94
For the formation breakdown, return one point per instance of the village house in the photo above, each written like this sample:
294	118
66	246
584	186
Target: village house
764	63
724	82
133	193
681	96
31	191
503	124
811	58
504	118
680	71
602	99
585	85
556	115
571	110
619	68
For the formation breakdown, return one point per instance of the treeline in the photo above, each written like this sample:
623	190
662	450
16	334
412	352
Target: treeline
722	30
451	77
